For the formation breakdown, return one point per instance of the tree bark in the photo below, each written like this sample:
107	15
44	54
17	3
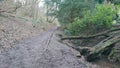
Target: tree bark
105	33
97	50
92	53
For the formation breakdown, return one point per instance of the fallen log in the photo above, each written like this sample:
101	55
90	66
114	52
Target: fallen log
80	49
105	33
91	53
97	50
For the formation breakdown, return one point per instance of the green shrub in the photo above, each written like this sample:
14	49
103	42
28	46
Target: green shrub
94	21
118	9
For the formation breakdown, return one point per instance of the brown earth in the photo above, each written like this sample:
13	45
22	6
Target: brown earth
13	30
42	51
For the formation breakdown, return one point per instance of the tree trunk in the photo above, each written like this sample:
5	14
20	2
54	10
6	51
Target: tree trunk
91	53
97	50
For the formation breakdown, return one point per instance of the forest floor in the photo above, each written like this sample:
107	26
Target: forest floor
42	51
13	30
25	46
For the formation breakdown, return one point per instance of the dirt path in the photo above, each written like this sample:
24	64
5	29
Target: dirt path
43	51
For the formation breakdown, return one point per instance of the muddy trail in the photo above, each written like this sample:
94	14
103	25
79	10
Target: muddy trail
43	51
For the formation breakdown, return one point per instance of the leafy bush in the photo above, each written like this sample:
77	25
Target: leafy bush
94	21
118	13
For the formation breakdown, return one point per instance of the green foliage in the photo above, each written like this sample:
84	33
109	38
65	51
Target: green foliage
118	13
112	1
67	10
115	1
94	21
